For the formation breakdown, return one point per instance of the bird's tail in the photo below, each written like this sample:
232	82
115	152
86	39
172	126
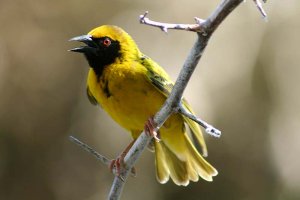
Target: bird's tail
177	157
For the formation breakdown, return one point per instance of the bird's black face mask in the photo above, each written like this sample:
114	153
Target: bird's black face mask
99	52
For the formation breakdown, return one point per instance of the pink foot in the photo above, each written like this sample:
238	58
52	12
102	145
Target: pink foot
119	164
150	131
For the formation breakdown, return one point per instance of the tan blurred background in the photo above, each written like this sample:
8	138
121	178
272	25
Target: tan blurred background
247	85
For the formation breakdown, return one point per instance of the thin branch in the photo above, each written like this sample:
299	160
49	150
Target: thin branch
260	8
97	155
89	149
208	128
165	26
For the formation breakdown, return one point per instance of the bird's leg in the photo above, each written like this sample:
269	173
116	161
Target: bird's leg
118	163
150	129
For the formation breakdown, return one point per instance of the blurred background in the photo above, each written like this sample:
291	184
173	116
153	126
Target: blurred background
246	85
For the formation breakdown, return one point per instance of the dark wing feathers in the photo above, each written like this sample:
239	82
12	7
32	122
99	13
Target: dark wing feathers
162	82
91	98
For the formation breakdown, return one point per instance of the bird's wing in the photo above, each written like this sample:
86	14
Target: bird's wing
91	98
162	82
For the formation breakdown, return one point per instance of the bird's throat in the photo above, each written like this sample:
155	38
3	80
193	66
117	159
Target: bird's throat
103	58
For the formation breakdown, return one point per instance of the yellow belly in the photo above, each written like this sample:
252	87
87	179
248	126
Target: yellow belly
126	95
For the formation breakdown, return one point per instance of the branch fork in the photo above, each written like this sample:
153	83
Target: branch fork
209	129
98	156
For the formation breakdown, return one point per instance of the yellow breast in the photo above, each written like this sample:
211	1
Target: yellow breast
125	94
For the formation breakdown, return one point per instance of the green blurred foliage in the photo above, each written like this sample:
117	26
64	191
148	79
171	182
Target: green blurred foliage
246	85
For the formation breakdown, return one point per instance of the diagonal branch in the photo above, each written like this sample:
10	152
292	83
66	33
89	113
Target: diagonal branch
167	109
204	30
260	8
89	149
97	155
207	28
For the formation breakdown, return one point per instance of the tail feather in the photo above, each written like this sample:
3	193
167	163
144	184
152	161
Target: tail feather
195	129
162	169
171	166
177	167
176	157
203	168
193	174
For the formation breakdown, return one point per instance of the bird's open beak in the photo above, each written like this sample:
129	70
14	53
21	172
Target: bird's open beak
86	39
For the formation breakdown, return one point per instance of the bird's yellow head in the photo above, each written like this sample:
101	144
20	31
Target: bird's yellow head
106	45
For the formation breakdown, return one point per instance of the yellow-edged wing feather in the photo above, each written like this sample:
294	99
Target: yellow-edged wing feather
160	79
176	156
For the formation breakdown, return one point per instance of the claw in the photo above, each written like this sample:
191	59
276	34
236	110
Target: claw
150	129
111	165
119	164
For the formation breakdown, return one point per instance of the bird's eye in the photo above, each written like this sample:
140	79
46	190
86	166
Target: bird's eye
106	42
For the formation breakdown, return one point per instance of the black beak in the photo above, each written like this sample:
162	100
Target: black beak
86	39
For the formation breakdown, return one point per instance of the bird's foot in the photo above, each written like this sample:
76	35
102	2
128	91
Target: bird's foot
119	163
150	131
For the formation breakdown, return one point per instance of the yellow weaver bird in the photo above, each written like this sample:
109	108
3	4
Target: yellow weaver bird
131	88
